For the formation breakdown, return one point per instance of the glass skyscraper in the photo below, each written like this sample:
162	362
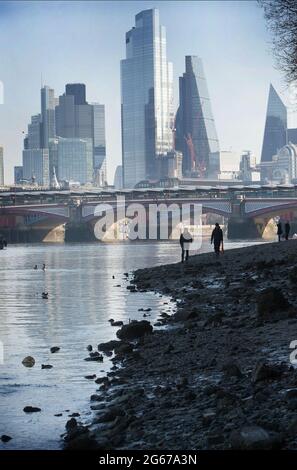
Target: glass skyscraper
48	129
147	99
275	133
196	135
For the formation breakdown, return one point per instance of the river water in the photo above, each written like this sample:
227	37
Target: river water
83	296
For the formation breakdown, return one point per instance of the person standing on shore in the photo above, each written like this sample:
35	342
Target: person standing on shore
287	230
217	238
185	241
279	230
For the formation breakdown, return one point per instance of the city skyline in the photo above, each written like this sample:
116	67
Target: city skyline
248	78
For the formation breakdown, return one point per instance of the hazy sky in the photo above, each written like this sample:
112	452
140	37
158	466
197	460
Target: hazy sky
84	41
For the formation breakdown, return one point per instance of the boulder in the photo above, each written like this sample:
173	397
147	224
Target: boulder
264	371
293	275
123	348
186	314
71	424
108	346
5	438
272	305
28	361
54	349
255	437
134	330
231	369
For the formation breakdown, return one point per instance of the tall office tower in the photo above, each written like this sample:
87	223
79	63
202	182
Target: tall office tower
36	166
1	167
146	99
47	115
34	136
75	159
78	90
18	174
65	117
196	135
275	133
99	163
76	118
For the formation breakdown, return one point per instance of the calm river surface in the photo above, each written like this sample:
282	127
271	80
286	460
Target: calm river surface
82	297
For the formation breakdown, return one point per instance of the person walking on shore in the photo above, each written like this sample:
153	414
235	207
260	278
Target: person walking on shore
185	241
217	238
279	230
287	230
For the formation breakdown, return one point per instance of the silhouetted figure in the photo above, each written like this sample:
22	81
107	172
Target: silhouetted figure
44	295
217	238
185	241
279	230
3	243
287	230
43	267
35	267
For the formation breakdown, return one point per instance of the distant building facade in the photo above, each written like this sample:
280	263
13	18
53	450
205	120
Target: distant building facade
275	132
36	166
292	136
118	177
18	175
195	131
75	159
146	99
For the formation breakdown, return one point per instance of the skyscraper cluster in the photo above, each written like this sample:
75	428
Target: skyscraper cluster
66	141
155	143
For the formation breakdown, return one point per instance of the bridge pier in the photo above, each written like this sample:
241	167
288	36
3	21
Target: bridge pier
243	228
79	232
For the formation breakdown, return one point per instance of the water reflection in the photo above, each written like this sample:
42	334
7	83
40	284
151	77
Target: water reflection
82	297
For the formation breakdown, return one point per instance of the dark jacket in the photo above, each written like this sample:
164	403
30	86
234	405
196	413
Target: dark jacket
287	228
279	229
217	235
183	240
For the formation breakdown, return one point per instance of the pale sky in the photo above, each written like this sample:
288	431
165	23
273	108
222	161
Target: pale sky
84	41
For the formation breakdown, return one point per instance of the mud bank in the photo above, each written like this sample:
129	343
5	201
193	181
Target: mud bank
219	376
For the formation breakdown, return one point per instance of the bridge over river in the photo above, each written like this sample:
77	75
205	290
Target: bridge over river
35	216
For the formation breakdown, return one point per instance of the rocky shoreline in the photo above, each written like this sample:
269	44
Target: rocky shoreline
219	376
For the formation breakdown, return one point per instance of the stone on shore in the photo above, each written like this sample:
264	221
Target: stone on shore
5	438
264	371
134	330
272	305
28	361
231	369
31	409
255	438
54	349
108	346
